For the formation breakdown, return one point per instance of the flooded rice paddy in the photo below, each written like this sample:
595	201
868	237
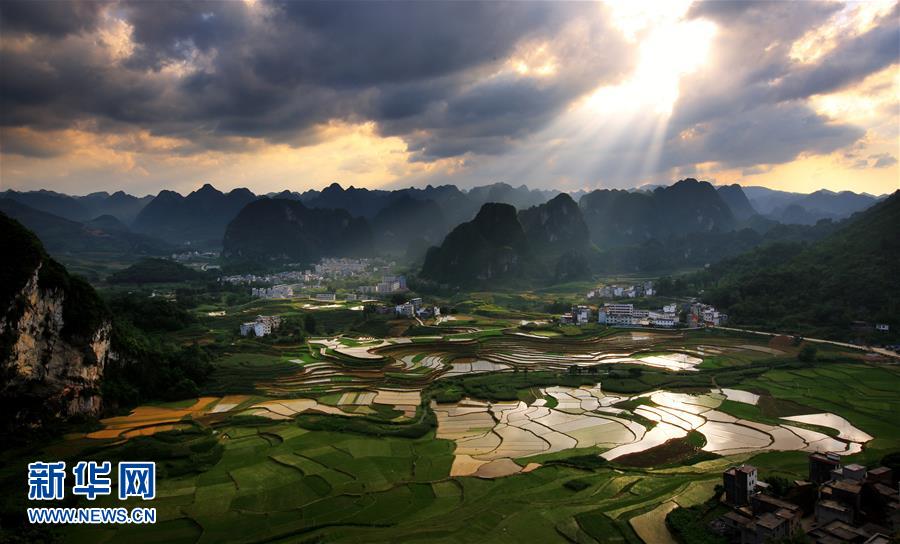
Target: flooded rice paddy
584	417
366	376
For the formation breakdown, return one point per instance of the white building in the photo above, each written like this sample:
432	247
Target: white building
262	326
326	297
711	316
277	291
581	315
662	319
261	329
616	314
387	287
399	280
405	310
626	315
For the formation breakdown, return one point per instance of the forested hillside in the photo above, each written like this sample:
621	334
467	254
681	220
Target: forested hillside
850	275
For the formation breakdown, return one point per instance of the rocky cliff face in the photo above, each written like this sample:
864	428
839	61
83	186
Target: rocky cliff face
54	336
65	374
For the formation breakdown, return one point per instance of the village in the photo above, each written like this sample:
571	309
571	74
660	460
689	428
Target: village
323	280
690	314
836	504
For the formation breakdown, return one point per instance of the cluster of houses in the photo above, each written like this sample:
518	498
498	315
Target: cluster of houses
343	267
276	291
328	268
288	276
333	297
704	314
387	286
626	315
263	325
644	289
836	505
580	315
194	256
416	308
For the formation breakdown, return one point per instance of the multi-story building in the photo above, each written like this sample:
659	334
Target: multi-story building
616	314
399	280
739	484
387	287
663	319
581	315
626	315
768	527
277	291
262	326
821	466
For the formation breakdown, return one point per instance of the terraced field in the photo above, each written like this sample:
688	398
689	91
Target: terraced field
489	434
327	365
500	438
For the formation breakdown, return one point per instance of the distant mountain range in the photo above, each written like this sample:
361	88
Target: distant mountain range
617	218
737	201
690	223
807	209
407	225
502	245
198	218
120	205
61	236
273	230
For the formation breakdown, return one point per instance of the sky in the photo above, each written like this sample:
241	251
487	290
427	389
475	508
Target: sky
272	95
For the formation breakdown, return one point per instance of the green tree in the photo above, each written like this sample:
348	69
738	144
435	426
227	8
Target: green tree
779	485
309	323
807	353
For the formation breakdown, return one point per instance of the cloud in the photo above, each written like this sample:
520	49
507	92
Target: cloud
475	91
883	160
749	105
766	135
850	62
49	18
756	170
423	70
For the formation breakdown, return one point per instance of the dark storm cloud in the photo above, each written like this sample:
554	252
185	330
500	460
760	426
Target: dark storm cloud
489	116
770	134
275	70
432	73
27	145
49	18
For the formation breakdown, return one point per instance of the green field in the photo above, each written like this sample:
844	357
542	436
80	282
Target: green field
383	477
